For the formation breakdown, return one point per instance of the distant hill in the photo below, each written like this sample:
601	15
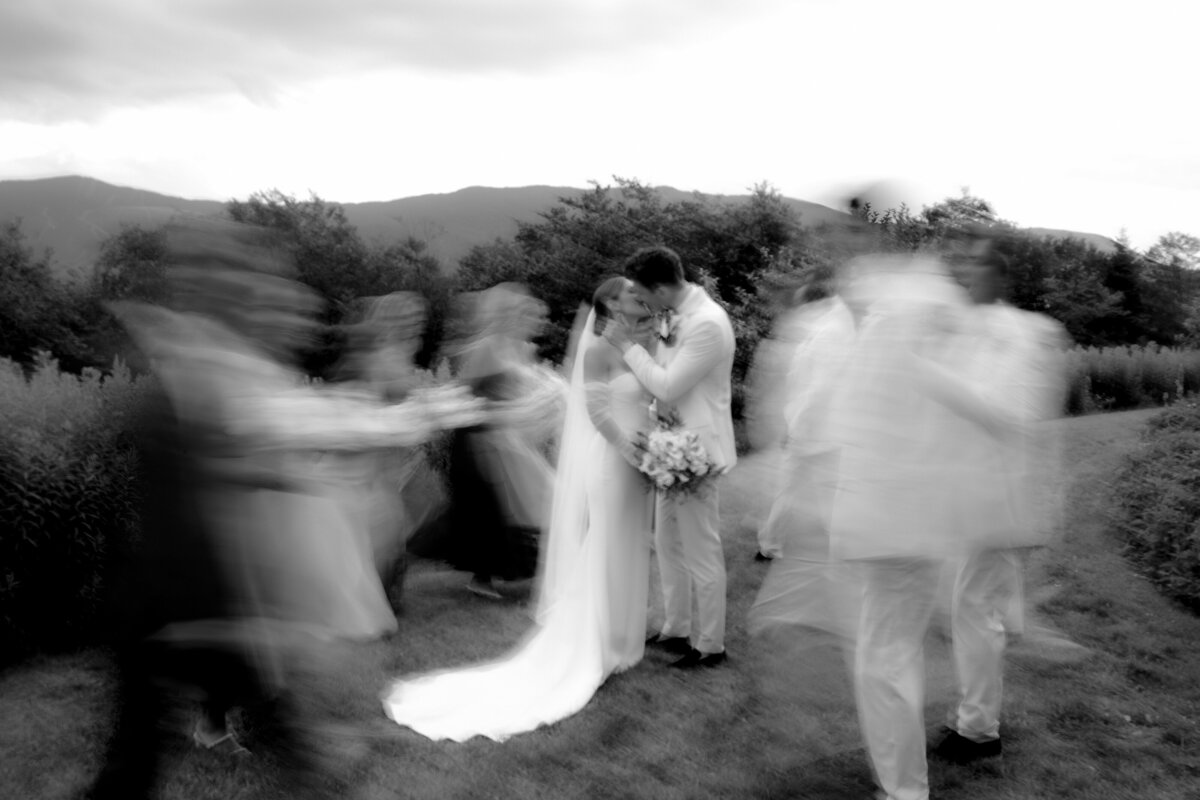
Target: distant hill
72	215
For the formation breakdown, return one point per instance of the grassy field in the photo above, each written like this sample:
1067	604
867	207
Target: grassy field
1120	721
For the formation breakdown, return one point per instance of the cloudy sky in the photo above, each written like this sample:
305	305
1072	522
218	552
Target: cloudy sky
1079	115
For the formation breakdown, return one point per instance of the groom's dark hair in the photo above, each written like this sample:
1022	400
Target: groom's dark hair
655	266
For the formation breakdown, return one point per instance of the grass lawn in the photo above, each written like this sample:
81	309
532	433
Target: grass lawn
775	722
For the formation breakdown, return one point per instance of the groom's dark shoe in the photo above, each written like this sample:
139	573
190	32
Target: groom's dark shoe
696	659
958	749
677	645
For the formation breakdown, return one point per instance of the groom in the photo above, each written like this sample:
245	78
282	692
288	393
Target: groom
690	375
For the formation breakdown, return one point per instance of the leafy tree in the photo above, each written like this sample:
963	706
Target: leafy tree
955	213
1075	291
132	265
1176	249
38	310
331	257
728	247
408	266
329	254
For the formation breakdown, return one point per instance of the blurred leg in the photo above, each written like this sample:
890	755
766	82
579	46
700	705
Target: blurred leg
986	588
898	600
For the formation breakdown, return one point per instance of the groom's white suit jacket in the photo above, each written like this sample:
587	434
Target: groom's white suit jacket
693	375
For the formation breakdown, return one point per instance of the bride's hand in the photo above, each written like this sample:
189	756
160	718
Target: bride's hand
631	453
616	331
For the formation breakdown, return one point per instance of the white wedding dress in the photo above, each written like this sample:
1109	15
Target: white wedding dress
593	587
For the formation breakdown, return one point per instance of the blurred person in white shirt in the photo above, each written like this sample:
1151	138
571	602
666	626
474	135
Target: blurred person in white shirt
1011	369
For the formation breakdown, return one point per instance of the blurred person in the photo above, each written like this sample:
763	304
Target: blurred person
182	603
236	590
763	413
799	587
500	481
890	524
811	333
387	490
689	375
1011	371
593	579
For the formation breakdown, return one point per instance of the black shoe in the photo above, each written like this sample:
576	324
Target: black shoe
958	749
696	659
761	556
678	645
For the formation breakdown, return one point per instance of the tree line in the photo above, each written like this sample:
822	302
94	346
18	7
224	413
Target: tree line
739	250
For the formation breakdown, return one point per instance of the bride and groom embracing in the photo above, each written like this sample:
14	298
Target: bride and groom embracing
594	577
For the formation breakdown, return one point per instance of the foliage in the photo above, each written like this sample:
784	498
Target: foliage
730	248
1176	249
1102	298
1116	378
331	257
132	265
67	485
1157	503
38	311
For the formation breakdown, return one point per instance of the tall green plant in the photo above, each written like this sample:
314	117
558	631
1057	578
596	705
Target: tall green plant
68	498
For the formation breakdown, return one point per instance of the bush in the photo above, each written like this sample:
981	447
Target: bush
67	497
1115	378
1156	503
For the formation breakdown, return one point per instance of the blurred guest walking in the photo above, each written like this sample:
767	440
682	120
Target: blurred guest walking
242	579
500	479
800	363
890	521
386	490
1011	368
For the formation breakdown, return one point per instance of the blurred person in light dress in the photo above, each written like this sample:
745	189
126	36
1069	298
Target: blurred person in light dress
388	490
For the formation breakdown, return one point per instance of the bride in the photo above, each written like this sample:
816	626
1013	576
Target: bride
594	575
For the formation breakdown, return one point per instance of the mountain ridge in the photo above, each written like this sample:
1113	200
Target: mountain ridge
71	215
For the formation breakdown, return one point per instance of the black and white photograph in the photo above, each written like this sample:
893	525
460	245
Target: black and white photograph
641	400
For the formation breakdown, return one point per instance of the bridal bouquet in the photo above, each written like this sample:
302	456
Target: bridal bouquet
673	461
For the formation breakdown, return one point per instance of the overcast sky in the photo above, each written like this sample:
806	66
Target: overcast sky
1079	115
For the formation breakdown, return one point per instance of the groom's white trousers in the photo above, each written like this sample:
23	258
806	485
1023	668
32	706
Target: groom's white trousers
691	564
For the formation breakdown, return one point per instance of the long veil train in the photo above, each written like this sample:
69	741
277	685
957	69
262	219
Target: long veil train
559	665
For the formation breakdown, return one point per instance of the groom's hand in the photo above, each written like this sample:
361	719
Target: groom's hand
618	334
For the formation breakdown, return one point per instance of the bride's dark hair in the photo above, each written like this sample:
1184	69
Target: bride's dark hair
610	289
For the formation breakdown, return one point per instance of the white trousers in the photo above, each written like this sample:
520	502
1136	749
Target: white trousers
889	670
986	606
691	564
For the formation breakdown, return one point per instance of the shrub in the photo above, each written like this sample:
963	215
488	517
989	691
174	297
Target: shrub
1156	503
1115	378
67	498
